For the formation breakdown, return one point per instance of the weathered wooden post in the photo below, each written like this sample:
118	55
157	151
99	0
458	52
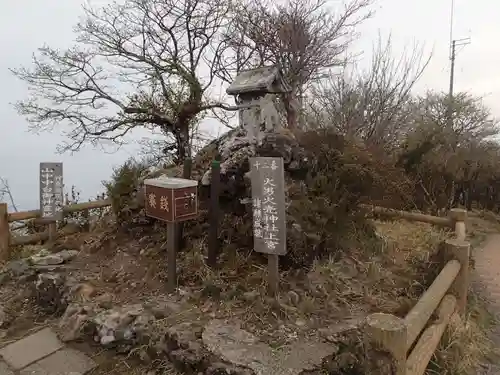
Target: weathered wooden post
51	195
186	174
458	217
255	91
4	232
213	234
459	250
172	200
387	333
269	213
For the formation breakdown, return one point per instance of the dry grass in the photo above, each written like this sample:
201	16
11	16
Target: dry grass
465	343
387	273
481	224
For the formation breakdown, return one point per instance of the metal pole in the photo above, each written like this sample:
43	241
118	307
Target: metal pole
452	79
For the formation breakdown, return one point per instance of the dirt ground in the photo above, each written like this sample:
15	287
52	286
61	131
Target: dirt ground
123	269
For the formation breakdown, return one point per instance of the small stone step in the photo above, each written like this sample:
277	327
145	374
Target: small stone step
4	369
31	348
63	362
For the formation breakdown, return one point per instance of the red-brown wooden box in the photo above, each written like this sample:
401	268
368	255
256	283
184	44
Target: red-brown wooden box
171	199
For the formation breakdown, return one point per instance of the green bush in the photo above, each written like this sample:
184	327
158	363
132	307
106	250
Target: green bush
123	187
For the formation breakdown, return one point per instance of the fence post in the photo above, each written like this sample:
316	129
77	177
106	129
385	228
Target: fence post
458	217
4	232
214	212
388	333
86	220
459	250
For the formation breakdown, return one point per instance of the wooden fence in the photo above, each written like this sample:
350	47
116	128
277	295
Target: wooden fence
411	341
6	238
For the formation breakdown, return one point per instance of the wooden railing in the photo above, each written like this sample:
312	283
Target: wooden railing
6	238
411	341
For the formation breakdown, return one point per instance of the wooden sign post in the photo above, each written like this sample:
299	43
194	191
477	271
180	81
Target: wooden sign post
51	195
173	200
269	212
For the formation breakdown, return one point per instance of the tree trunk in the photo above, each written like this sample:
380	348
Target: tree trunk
292	110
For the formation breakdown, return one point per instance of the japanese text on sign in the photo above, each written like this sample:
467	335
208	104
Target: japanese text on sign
268	196
51	191
161	203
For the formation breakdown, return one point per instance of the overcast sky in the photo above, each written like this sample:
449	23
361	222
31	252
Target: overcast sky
27	25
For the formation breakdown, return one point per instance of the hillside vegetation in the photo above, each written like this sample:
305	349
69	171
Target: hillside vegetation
348	136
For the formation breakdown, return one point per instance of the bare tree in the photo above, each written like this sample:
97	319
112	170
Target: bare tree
376	104
158	150
5	191
472	122
302	37
140	63
450	162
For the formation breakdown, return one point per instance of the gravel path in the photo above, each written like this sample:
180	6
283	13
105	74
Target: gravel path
486	279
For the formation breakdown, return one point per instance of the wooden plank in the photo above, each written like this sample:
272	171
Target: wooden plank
33	214
426	346
42	236
274	273
87	205
214	212
4	233
30	239
459	217
269	210
410	216
459	250
171	257
419	315
23	215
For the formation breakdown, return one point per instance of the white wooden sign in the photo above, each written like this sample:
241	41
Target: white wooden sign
51	191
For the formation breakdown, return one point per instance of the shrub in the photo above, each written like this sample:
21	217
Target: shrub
123	186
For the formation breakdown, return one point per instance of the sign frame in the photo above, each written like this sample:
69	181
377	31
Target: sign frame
51	190
174	190
268	205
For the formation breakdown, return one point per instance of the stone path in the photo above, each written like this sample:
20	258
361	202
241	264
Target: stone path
42	353
487	279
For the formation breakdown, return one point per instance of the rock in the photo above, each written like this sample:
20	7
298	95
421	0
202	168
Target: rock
5	277
126	326
50	293
212	291
73	322
345	331
46	260
251	295
17	267
83	291
240	348
3	317
106	340
164	309
183	335
219	368
68	255
351	356
293	298
184	348
105	300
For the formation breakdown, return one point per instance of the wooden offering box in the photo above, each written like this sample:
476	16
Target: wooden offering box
171	199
